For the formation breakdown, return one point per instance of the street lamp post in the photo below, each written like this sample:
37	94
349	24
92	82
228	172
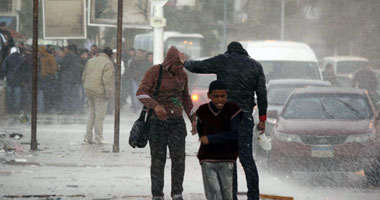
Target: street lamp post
116	148
282	19
158	22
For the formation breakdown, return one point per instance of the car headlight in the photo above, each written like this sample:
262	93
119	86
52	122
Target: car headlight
361	137
195	97
287	137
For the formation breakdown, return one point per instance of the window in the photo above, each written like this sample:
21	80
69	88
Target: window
6	5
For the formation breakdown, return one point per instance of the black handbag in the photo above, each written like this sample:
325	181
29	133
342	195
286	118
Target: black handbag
138	136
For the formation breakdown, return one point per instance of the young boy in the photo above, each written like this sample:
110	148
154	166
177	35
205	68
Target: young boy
218	128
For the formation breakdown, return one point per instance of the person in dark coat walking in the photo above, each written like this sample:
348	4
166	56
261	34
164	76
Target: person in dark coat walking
329	75
244	77
366	79
12	69
70	75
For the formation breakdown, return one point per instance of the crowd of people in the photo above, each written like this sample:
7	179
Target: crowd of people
60	71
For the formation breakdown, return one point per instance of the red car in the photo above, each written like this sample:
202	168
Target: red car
200	88
325	129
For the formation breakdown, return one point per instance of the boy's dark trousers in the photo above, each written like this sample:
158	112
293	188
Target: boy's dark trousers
246	158
167	133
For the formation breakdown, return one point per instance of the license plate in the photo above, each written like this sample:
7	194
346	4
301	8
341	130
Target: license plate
322	151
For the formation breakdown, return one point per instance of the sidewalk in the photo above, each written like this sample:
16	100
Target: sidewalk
63	167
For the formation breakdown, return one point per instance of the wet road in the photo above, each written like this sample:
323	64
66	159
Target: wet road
64	168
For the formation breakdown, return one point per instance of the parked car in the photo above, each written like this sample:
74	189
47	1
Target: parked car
280	90
278	93
345	67
284	59
325	129
200	88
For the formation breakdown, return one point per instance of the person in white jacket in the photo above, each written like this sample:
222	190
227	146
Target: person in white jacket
98	82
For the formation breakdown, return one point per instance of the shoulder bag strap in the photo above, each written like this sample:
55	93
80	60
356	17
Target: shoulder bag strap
155	94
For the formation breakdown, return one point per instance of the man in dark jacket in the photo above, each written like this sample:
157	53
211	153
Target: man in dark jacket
366	79
12	70
70	75
244	77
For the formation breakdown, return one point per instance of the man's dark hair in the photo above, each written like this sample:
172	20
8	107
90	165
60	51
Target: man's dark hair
94	45
3	24
108	51
73	48
216	85
83	51
236	47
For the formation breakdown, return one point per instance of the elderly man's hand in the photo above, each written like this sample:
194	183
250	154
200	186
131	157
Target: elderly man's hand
160	112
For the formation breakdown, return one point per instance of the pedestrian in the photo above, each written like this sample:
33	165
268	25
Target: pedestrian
217	158
6	41
137	68
48	70
111	104
98	82
82	96
69	74
27	83
13	70
243	77
366	79
126	79
329	75
93	51
167	126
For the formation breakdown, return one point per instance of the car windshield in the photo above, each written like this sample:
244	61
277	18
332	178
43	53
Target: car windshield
204	81
350	67
277	95
290	70
328	106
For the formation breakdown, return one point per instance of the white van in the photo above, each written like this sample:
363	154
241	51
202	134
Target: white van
284	59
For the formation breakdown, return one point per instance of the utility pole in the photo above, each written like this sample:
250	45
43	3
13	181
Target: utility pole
158	22
116	148
225	27
33	142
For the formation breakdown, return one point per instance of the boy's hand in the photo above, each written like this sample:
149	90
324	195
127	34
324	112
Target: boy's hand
203	139
194	127
160	112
